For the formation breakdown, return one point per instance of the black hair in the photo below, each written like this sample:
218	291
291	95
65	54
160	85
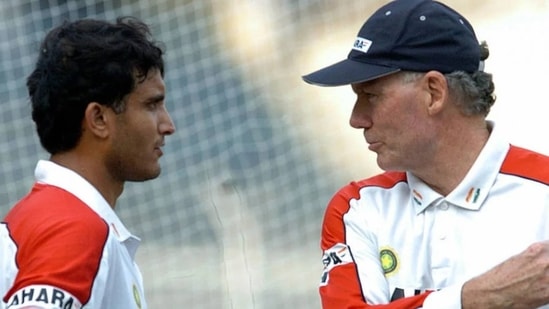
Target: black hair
87	61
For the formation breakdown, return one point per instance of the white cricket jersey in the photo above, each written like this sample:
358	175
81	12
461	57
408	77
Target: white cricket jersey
64	247
391	240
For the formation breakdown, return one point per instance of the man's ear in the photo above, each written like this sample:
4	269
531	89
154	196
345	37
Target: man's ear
96	118
437	86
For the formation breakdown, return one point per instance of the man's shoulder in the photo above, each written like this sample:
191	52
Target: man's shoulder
49	208
385	180
526	163
45	198
380	186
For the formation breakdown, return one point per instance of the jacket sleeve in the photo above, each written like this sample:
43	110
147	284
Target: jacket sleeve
57	265
353	276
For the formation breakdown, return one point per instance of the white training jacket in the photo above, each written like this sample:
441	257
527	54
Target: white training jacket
63	247
393	242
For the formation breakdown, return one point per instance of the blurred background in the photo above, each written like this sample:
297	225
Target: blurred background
234	219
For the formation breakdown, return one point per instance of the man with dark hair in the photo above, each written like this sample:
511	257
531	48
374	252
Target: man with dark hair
97	95
459	218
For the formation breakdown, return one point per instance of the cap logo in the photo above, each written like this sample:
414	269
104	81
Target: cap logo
362	44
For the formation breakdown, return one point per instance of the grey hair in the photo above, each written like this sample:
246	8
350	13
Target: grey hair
473	92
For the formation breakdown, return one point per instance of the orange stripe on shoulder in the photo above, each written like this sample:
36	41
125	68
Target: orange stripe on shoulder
527	164
333	227
60	241
386	180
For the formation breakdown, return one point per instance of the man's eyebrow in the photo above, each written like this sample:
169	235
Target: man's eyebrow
156	98
362	85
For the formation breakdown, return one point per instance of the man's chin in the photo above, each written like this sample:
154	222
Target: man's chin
145	175
388	166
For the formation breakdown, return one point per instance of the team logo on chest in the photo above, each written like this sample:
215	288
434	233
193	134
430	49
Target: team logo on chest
389	260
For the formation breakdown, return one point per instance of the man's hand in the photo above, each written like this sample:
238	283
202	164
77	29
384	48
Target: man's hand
520	282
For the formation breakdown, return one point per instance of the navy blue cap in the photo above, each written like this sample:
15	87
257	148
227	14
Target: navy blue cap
406	35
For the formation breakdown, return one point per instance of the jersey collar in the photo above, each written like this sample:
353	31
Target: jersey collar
50	173
474	188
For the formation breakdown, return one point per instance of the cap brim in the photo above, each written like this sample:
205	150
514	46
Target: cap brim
347	72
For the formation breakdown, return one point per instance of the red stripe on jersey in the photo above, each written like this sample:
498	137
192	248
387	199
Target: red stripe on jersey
527	164
333	228
343	290
60	241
